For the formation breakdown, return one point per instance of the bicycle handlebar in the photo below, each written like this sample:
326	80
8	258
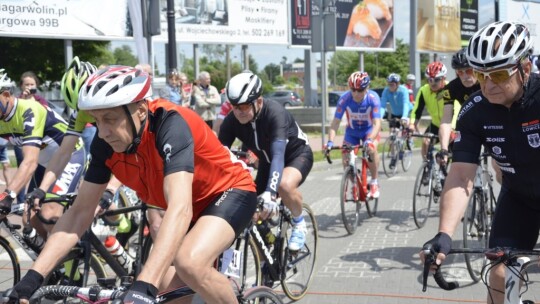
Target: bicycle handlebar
342	147
88	294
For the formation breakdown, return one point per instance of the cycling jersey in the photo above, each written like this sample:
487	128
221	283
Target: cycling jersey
174	139
274	137
511	135
32	124
398	100
360	115
225	109
434	104
455	90
78	121
410	89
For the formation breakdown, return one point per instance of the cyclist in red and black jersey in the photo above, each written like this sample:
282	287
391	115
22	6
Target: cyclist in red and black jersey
270	131
171	158
458	89
503	117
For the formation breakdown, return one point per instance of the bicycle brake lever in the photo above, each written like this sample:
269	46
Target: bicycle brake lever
429	260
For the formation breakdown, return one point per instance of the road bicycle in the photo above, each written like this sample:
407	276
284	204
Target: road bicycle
429	182
396	148
354	187
516	262
97	294
478	217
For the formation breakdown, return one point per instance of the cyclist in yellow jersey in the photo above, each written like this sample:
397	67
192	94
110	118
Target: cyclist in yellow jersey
39	131
427	97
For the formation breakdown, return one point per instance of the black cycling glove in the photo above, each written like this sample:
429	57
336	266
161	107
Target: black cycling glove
441	243
36	194
26	286
5	202
141	292
106	199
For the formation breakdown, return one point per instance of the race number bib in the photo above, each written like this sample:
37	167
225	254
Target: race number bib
231	263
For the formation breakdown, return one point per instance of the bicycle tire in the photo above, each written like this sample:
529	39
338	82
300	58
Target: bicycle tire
260	295
11	269
297	267
349	201
390	154
475	234
406	158
422	195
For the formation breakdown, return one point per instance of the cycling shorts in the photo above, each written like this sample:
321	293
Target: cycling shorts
393	123
515	224
434	130
303	163
355	139
234	206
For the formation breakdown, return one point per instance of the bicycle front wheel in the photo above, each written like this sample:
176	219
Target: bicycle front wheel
297	266
423	195
9	263
261	295
349	201
475	233
390	157
406	156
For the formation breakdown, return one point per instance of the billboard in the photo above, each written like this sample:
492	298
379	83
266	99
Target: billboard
65	19
360	25
231	22
445	25
525	12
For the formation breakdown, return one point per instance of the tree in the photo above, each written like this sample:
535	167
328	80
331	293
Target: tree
272	71
124	56
46	57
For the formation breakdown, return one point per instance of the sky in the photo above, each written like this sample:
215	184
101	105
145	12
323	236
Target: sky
266	54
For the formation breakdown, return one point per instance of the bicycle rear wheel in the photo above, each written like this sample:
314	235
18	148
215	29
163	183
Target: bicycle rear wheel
297	266
250	267
475	233
423	195
406	157
261	295
349	201
9	264
390	157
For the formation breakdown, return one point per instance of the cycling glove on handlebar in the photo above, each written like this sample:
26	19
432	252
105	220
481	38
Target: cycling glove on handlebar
141	292
441	243
26	286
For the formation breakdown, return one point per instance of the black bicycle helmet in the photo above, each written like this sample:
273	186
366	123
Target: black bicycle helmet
459	60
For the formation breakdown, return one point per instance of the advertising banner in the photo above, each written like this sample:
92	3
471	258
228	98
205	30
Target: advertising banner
526	12
65	19
231	22
361	25
446	25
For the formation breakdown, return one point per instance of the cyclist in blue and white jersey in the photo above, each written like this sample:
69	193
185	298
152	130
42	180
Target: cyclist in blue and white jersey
397	95
362	107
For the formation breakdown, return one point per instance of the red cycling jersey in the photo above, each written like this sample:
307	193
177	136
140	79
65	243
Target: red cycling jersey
175	139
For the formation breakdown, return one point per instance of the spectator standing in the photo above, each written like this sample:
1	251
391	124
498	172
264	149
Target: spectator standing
206	99
172	91
186	89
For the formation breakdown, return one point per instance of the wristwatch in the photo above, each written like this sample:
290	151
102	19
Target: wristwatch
12	194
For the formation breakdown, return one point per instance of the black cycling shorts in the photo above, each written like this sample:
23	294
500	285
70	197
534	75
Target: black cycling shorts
515	223
303	162
234	206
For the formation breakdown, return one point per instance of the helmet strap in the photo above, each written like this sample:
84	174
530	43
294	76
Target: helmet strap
132	148
255	112
524	81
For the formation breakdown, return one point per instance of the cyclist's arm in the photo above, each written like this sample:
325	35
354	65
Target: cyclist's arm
276	165
417	110
69	227
338	115
26	168
446	125
334	126
455	195
404	102
58	161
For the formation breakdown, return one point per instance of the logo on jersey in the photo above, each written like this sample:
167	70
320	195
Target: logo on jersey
531	125
445	94
274	181
167	150
496	149
493	127
63	184
476	99
495	139
534	140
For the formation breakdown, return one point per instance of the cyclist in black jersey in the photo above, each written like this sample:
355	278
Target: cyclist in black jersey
458	89
270	131
504	118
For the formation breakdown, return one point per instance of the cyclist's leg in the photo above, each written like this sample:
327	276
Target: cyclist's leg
224	219
516	225
351	138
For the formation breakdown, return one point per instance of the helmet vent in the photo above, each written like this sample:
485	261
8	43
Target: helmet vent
112	90
128	80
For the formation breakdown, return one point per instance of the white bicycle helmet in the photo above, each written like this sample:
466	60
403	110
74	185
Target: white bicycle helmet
244	88
114	86
5	81
499	44
411	77
436	69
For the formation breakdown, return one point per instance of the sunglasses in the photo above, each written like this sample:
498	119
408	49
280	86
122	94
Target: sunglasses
497	76
434	79
358	91
242	107
462	72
